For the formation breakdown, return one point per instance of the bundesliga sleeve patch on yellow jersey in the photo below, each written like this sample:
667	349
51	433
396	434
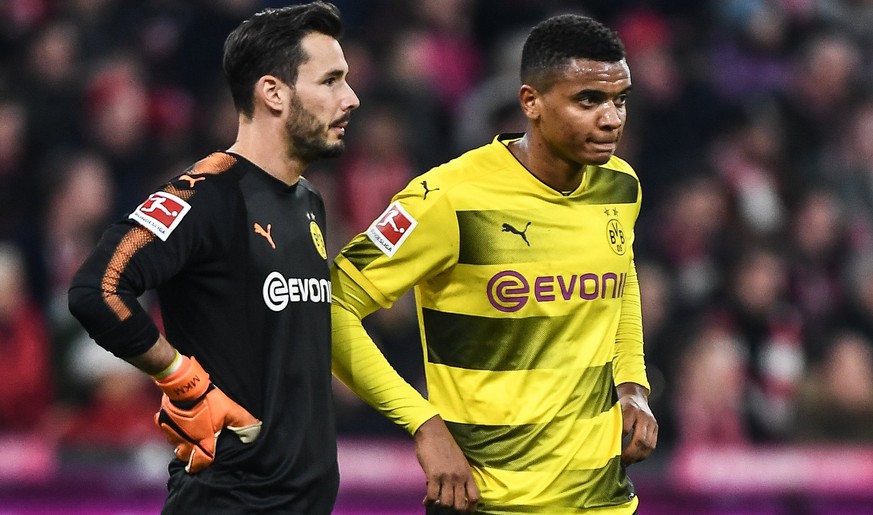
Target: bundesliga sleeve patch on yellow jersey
391	229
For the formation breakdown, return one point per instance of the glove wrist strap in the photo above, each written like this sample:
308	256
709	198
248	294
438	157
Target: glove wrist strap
188	382
172	367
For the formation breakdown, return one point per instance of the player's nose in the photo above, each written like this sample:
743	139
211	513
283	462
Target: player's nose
350	99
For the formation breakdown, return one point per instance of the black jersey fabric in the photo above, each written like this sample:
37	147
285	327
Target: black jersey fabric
242	281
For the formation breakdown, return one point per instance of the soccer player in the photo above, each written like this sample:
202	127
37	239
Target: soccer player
235	248
521	256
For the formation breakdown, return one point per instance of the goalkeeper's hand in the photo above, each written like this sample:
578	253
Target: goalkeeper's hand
194	412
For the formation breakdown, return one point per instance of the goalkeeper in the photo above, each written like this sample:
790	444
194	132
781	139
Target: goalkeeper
234	247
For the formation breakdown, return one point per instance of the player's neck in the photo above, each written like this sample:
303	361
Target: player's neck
261	146
545	166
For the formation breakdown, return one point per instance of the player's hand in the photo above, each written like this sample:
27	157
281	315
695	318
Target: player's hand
638	422
194	412
450	482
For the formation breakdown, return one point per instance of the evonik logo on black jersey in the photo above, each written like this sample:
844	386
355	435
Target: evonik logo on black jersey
279	291
509	290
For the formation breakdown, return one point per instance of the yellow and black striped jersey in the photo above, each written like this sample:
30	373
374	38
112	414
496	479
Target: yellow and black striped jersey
528	305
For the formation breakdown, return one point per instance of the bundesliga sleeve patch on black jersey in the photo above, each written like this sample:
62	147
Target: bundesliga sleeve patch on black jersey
161	213
391	229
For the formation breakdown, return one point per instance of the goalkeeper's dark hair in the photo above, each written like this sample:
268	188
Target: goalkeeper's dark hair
552	43
268	43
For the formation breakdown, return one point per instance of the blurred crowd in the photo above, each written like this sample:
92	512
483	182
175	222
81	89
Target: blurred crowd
750	126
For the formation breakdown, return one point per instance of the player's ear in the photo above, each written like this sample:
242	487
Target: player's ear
529	98
272	92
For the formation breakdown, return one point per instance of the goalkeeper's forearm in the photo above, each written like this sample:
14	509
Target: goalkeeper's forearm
155	360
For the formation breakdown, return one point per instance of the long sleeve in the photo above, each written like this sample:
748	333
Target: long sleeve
359	363
141	253
629	362
103	294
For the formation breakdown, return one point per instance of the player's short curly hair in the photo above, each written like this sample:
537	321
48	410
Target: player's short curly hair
555	41
268	43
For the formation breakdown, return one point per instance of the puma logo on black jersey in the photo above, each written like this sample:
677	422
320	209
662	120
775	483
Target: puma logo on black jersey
513	230
265	233
426	189
191	180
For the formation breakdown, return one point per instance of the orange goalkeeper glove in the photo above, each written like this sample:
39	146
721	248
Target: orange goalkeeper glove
194	412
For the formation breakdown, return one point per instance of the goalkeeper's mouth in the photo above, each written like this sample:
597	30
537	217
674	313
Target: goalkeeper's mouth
339	127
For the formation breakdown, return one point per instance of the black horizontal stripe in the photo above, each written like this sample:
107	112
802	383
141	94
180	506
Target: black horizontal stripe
487	343
483	240
361	252
606	186
489	237
514	447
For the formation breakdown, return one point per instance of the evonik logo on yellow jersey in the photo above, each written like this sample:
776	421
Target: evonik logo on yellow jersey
509	290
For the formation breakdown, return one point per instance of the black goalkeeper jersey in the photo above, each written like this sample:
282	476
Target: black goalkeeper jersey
239	264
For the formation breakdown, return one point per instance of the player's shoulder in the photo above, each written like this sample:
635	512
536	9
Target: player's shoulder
468	168
199	193
620	165
309	188
214	165
201	188
212	176
482	161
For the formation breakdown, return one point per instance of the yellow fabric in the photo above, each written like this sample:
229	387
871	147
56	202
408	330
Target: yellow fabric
359	364
629	361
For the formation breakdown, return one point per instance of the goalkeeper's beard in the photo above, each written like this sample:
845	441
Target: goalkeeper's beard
307	137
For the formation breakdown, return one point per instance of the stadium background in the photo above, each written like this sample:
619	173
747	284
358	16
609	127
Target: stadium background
750	125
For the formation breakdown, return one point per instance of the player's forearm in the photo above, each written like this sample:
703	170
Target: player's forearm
156	359
127	336
629	360
632	390
359	364
103	296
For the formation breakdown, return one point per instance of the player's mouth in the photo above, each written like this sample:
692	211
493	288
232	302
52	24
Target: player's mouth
606	145
339	127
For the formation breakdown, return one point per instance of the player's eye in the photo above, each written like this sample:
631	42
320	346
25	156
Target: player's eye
588	101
